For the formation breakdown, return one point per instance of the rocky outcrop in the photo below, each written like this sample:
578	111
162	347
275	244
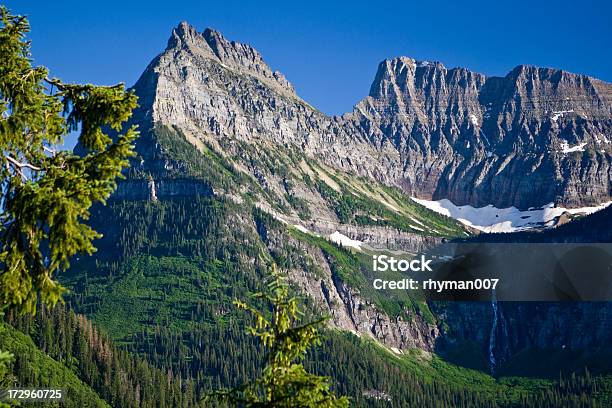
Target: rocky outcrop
381	238
392	331
375	237
534	136
143	189
488	140
348	309
530	325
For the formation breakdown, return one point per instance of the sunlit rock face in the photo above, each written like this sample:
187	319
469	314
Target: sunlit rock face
535	136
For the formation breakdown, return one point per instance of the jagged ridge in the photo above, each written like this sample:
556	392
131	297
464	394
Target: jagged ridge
435	132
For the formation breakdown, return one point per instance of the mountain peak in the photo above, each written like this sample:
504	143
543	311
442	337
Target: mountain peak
211	44
411	62
400	71
186	36
184	26
554	75
435	132
232	52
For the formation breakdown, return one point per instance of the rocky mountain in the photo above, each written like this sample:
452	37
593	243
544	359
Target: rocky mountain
535	136
487	140
233	167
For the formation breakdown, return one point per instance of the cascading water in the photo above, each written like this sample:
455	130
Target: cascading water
492	362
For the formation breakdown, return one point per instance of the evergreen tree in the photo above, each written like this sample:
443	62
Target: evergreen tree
46	194
6	361
6	378
284	381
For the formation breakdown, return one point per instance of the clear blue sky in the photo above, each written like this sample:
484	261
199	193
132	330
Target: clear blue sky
329	50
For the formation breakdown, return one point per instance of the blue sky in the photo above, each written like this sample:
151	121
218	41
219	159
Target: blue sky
328	50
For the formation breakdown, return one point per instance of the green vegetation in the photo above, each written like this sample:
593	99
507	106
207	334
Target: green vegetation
47	194
177	264
165	278
363	202
199	162
299	205
34	368
57	348
193	363
284	382
421	379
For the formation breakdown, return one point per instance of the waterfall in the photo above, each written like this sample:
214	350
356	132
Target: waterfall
492	362
152	190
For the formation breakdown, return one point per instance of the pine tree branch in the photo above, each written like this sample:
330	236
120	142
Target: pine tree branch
21	165
62	86
49	150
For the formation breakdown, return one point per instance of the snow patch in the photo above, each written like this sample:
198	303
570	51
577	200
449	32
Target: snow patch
511	219
559	114
503	165
473	119
565	147
345	241
416	228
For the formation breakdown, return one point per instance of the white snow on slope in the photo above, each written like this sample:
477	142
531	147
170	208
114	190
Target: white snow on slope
473	119
492	219
565	147
559	114
345	241
425	64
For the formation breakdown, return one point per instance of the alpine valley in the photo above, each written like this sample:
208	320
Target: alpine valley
234	170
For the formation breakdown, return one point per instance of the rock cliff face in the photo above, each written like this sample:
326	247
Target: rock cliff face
534	136
161	189
351	311
561	327
501	141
